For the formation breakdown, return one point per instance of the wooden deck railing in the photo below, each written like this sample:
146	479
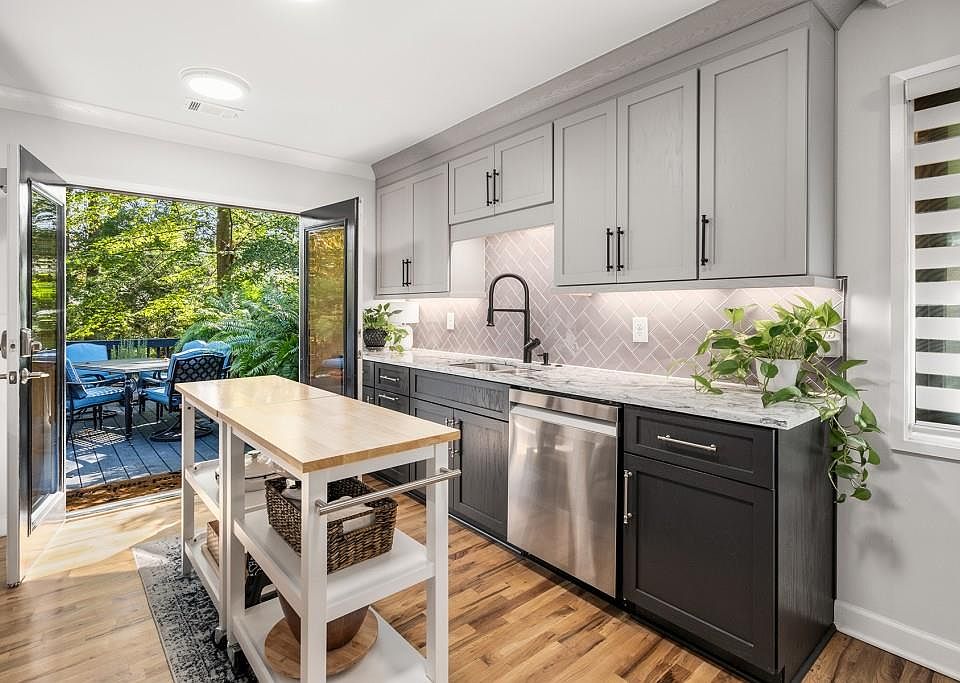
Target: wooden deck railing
161	347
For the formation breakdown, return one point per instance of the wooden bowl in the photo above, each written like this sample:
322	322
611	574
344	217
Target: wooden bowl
340	631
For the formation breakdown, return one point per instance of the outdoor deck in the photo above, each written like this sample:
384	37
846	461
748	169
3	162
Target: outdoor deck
98	457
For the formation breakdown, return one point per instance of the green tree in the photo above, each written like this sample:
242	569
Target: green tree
144	266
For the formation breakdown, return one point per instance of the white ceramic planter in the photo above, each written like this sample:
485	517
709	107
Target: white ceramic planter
787	371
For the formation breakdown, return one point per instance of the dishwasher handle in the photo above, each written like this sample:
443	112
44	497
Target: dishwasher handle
565	420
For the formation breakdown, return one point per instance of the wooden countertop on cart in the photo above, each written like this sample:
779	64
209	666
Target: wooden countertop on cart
313	432
212	396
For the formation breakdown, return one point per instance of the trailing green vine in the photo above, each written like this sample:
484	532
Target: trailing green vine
799	333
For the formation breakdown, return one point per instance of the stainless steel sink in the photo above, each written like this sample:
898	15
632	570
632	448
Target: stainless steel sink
501	368
484	367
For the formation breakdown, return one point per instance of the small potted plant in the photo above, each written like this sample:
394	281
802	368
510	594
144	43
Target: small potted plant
788	357
378	331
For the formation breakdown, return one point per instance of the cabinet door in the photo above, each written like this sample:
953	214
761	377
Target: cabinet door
524	170
385	399
657	182
394	236
479	494
471	186
698	552
585	197
433	413
430	269
753	160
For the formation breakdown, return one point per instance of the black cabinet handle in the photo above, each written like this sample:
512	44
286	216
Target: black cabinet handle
703	239
403	271
488	188
609	235
406	272
495	174
619	258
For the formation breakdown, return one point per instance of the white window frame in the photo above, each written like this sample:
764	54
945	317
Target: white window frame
904	434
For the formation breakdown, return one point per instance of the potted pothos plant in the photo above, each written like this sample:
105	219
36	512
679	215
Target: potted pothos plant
379	331
788	358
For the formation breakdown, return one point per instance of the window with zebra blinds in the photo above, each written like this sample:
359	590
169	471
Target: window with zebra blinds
934	156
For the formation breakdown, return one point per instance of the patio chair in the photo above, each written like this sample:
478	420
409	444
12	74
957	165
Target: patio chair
195	344
226	350
84	394
194	365
83	352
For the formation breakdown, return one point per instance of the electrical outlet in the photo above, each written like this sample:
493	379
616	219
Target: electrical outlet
640	330
450	320
835	339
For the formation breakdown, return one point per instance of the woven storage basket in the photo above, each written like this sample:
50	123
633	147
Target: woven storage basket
343	549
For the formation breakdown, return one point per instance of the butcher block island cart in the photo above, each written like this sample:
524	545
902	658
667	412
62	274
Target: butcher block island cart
316	437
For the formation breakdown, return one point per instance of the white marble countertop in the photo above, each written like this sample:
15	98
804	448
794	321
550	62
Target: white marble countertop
737	403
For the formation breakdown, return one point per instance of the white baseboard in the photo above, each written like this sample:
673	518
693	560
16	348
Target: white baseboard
918	646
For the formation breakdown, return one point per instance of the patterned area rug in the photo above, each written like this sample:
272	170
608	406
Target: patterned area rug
184	615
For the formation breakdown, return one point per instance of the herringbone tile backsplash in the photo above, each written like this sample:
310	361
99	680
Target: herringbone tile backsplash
593	331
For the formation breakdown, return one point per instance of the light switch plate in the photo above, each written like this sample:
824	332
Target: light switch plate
640	330
450	320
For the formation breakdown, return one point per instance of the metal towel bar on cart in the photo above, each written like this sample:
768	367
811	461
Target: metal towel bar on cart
324	508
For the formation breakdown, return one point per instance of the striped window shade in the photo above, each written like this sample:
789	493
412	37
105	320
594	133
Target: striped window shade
935	159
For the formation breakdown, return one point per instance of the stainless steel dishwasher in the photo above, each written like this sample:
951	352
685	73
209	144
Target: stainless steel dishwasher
563	485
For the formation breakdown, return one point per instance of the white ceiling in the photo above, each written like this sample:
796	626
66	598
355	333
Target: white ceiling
352	79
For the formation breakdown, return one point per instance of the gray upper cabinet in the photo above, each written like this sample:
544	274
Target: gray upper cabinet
657	182
413	235
394	237
513	174
753	160
471	186
523	175
585	202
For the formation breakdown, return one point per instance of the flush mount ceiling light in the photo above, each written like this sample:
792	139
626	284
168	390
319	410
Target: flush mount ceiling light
215	84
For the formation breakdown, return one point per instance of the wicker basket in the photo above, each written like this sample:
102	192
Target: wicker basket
343	549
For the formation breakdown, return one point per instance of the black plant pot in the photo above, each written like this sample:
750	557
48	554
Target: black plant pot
374	339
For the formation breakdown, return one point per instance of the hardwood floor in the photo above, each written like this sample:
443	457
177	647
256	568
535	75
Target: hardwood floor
83	616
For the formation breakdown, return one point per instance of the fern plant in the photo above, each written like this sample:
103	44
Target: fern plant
263	332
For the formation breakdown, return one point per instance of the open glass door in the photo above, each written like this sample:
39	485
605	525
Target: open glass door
328	297
33	347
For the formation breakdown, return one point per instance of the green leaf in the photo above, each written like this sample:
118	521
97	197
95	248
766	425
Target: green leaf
785	394
866	414
846	471
706	384
862	493
777	330
726	367
734	315
873	457
843	366
768	370
842	386
726	343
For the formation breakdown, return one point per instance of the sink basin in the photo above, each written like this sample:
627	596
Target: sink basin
484	367
501	368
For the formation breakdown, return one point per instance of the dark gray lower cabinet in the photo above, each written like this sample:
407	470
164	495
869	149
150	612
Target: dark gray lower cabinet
400	474
728	539
479	495
698	552
433	413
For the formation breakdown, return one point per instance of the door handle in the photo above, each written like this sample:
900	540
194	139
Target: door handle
489	176
627	515
388	378
703	239
712	448
458	425
386	397
495	174
619	258
26	375
609	236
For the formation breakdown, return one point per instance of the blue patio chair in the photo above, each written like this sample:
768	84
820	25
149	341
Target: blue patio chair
84	394
195	344
194	365
83	352
226	350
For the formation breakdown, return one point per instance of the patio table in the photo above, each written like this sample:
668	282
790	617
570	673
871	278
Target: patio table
131	369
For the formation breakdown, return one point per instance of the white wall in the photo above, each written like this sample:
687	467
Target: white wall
85	155
899	554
